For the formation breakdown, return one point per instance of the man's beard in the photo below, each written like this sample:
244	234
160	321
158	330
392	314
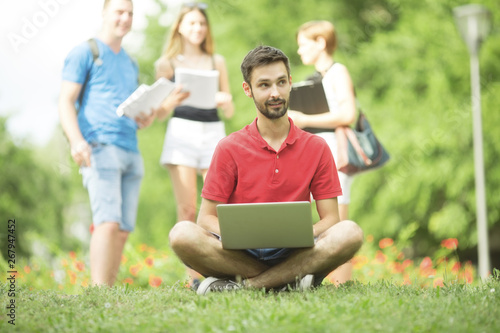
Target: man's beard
270	113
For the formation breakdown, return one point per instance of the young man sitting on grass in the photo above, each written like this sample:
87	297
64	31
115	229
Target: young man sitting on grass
270	160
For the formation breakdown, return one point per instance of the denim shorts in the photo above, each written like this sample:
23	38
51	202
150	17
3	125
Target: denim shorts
271	257
113	182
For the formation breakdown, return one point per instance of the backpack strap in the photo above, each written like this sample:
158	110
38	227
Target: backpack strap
95	59
136	65
94	48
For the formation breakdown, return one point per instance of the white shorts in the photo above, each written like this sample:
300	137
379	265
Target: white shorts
191	143
345	180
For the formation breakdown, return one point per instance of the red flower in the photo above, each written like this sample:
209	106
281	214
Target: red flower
385	242
397	268
438	282
450	243
359	261
468	271
135	269
155	281
380	257
426	267
79	266
128	280
72	276
426	263
149	261
407	263
456	267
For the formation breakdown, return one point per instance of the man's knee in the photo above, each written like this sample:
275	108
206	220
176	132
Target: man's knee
354	232
180	234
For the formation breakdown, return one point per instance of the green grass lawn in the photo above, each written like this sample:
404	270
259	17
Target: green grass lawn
354	307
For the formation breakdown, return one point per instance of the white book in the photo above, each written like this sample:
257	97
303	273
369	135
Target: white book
201	84
145	98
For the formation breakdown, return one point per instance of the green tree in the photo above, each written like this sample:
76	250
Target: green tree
415	83
411	71
31	193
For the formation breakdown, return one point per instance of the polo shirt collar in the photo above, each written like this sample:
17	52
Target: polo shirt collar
293	135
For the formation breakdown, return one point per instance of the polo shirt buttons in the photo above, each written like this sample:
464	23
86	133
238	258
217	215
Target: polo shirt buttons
277	170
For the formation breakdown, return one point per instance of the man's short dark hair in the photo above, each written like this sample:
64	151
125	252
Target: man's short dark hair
260	56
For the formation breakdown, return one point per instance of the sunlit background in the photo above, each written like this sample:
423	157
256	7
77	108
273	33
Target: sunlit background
411	71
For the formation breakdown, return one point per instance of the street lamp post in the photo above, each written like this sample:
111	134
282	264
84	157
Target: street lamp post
474	24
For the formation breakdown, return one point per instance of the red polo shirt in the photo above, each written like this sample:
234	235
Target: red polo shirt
245	169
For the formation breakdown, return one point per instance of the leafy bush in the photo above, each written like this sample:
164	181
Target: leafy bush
31	193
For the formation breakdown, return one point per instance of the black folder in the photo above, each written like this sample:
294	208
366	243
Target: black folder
309	97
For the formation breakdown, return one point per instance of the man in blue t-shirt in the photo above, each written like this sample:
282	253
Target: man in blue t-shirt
103	144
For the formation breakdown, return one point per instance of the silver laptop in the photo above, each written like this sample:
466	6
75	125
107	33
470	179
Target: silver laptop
266	225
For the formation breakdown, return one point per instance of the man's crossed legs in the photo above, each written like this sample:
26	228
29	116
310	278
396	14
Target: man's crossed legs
202	251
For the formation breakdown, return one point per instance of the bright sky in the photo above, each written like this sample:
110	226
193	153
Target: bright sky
35	36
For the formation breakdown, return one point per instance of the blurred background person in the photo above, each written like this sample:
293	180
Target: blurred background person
192	133
103	144
317	42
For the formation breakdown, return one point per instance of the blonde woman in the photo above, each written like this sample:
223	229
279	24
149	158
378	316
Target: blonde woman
317	42
192	133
